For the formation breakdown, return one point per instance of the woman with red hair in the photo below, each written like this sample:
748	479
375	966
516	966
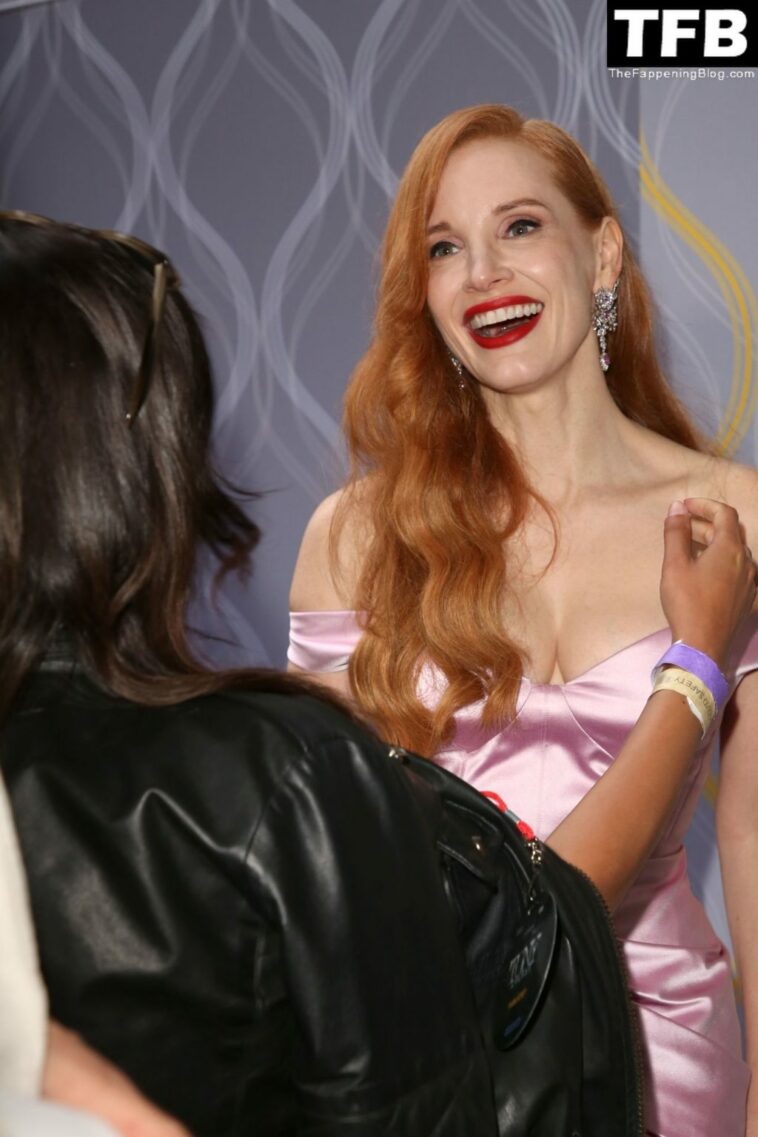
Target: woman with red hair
486	586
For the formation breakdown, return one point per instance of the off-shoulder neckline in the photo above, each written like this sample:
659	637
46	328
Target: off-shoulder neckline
583	675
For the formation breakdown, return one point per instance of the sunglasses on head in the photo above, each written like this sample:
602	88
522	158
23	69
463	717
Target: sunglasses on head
165	278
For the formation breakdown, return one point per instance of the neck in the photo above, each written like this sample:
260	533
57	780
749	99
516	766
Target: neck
568	433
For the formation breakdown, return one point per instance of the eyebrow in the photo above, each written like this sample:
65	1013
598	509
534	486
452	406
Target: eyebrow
504	207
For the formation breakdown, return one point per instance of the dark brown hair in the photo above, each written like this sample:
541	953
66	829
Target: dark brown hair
99	523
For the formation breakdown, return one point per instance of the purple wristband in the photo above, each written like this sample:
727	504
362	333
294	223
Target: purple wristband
701	665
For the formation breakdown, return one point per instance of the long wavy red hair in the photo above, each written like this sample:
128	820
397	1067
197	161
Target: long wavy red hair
441	487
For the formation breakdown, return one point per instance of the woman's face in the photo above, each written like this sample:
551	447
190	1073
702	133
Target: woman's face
512	268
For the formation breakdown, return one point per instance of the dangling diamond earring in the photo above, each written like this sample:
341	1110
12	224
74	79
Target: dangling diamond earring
459	368
605	319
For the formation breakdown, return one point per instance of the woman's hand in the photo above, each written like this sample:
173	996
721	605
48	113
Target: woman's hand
76	1076
705	596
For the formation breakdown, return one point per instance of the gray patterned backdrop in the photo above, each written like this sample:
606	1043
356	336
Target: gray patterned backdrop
259	142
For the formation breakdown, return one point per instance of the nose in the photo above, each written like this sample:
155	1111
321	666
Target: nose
488	265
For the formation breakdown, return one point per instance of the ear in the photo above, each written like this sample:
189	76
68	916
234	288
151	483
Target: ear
609	250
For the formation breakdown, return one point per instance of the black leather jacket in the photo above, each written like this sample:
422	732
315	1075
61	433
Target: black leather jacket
236	902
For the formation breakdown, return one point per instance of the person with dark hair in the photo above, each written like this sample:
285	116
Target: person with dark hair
234	894
486	586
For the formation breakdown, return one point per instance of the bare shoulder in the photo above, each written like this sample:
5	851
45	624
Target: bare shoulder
693	473
329	560
737	485
742	493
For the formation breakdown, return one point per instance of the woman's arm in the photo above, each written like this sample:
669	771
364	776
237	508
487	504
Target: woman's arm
616	825
737	828
76	1076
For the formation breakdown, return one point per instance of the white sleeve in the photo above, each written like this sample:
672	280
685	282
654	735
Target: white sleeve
28	1117
23	1001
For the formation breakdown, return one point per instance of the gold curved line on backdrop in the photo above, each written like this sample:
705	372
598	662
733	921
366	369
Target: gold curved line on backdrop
736	289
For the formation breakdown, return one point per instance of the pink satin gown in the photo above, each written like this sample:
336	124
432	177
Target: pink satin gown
564	737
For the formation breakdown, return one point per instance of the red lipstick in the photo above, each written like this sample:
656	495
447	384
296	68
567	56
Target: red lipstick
513	334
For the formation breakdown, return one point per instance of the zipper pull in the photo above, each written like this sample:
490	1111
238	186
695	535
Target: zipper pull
534	845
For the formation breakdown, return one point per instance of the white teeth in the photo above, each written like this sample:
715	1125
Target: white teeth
500	315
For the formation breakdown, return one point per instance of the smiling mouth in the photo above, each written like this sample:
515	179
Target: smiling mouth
498	325
498	321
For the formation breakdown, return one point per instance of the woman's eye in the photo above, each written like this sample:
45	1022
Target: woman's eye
443	249
521	227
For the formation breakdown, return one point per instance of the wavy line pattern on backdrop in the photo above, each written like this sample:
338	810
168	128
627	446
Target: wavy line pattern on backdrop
351	129
16	5
350	142
350	115
736	290
689	351
606	116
